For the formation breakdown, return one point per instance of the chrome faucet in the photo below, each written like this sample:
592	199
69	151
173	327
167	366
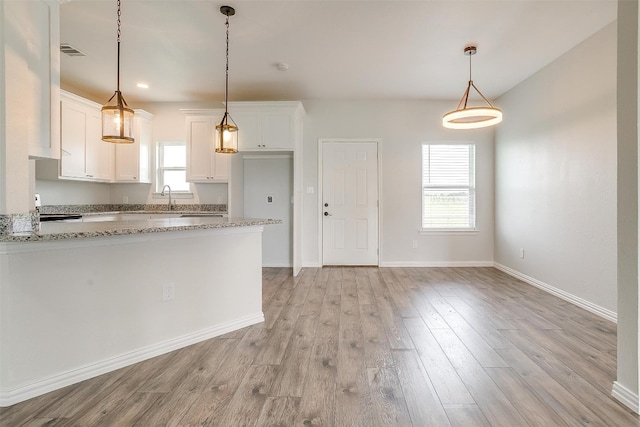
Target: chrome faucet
162	194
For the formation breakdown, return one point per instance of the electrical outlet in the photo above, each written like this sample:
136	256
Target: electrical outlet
125	199
521	253
414	244
168	292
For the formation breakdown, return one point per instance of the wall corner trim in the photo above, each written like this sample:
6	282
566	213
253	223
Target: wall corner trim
587	305
625	396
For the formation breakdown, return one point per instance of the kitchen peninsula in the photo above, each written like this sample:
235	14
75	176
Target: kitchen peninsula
81	299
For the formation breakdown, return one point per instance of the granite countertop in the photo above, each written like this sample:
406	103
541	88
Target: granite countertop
155	212
73	230
131	208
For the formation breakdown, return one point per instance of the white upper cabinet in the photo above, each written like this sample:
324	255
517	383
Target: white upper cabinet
99	154
84	156
203	163
133	161
264	126
30	62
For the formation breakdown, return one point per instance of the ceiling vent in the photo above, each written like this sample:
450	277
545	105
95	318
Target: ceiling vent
70	50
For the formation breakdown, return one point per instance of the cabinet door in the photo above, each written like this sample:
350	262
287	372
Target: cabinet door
144	140
132	162
249	130
199	148
126	162
38	24
221	166
72	159
277	130
99	154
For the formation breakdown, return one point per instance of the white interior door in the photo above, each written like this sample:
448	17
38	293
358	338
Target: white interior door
349	203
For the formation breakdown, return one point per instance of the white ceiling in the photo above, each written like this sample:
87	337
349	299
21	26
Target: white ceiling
334	49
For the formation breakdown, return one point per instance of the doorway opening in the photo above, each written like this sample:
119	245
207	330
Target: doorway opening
268	193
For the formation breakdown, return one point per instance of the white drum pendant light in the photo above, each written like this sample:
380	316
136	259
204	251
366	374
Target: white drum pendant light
227	130
465	117
117	117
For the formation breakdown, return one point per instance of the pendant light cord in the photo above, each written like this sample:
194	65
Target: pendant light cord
226	87
118	38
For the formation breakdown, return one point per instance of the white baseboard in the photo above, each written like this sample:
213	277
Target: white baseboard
436	264
11	397
311	264
587	305
625	396
316	264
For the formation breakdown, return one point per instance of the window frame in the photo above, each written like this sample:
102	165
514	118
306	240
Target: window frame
160	170
471	188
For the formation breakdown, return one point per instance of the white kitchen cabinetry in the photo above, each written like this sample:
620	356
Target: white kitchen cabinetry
267	126
133	161
203	163
84	156
30	66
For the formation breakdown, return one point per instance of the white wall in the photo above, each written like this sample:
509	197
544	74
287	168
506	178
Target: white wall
271	175
556	173
72	192
402	126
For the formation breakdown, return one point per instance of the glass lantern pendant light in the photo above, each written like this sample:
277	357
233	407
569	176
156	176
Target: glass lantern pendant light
465	117
227	130
117	117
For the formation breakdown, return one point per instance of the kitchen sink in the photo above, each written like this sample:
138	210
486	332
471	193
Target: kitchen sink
196	215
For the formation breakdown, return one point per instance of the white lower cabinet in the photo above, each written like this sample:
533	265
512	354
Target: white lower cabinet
203	163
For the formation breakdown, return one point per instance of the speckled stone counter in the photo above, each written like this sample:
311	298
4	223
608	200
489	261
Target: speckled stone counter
132	208
74	230
11	224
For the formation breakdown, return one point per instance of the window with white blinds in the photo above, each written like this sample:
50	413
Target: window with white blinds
172	166
448	187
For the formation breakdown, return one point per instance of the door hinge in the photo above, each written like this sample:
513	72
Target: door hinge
377	251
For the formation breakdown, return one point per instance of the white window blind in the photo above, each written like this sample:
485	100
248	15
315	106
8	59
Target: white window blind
172	163
448	187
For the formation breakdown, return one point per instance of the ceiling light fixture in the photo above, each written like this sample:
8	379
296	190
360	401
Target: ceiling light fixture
227	133
117	118
465	117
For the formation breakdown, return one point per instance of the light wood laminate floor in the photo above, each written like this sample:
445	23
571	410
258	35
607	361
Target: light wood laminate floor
369	347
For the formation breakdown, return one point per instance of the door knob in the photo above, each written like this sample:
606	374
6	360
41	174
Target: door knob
327	214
